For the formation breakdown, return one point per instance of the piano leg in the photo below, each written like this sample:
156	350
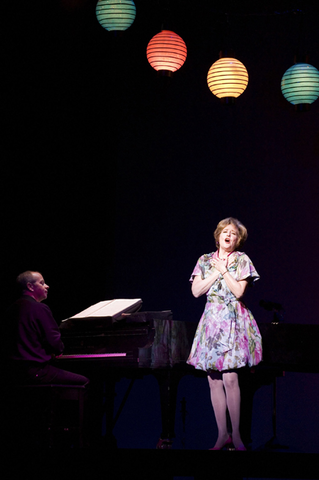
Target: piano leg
248	388
109	439
250	381
168	380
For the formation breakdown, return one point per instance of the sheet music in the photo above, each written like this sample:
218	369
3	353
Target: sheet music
108	308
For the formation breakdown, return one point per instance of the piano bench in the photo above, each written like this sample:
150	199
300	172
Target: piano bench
52	415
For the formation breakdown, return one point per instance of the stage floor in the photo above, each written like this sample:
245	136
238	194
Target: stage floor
101	463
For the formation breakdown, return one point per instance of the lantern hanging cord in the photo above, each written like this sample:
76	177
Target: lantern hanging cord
264	14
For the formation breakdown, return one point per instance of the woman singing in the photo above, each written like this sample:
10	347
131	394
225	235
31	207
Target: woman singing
227	337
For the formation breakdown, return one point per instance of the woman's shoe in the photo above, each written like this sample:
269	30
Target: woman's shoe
241	448
164	444
228	442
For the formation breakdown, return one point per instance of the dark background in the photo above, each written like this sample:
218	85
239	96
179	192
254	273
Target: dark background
113	179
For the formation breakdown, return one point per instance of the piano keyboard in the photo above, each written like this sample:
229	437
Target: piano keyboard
92	355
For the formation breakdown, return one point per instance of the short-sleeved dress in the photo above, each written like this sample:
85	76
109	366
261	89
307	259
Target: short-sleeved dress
227	336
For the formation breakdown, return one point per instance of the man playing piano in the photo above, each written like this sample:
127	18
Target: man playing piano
31	337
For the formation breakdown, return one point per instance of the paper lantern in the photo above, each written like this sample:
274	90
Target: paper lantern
300	84
227	77
166	51
115	15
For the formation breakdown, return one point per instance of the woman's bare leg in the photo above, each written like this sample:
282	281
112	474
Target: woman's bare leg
230	381
218	398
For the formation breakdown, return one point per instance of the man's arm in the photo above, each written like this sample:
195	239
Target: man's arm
51	335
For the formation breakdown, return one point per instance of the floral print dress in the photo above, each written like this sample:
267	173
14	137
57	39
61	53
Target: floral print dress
227	336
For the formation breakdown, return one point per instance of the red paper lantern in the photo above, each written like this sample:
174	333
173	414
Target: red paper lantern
166	51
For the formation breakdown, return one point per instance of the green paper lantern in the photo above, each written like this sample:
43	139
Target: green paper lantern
300	84
115	15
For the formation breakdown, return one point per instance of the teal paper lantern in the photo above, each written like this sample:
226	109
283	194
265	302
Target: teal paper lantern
300	84
115	15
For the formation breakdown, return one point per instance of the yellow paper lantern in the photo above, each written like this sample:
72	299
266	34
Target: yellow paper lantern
227	78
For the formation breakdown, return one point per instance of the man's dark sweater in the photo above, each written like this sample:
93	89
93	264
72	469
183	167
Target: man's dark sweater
30	332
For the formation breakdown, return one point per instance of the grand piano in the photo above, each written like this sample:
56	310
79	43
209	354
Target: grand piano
131	343
108	345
